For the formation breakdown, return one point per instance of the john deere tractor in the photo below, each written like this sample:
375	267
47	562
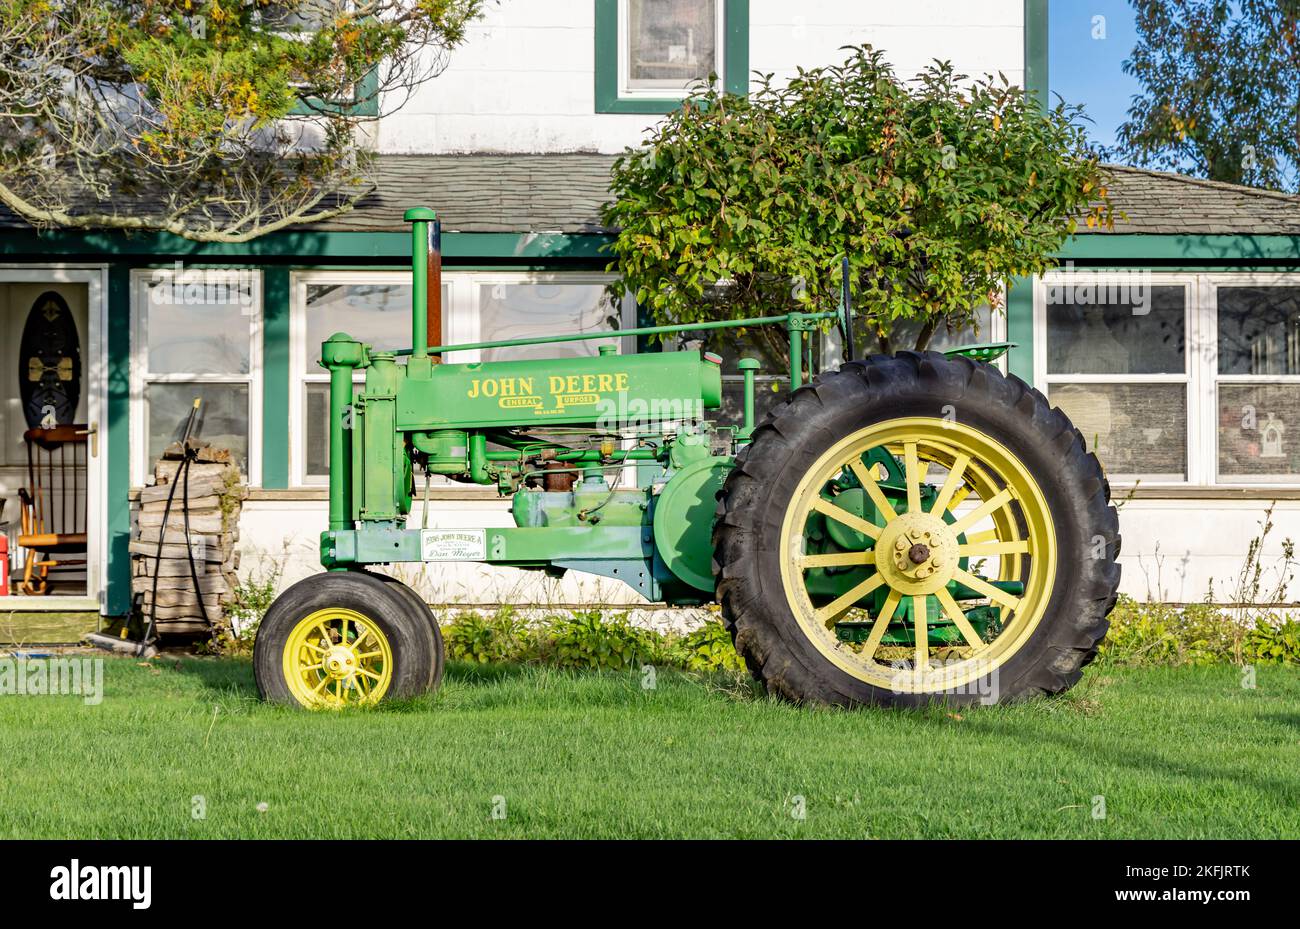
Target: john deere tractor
900	530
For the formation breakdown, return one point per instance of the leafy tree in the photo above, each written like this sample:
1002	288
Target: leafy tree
1221	90
939	191
217	120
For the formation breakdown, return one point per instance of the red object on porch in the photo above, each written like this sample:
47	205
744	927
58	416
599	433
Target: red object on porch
4	565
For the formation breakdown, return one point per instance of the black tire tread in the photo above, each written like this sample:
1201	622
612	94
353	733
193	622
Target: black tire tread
763	631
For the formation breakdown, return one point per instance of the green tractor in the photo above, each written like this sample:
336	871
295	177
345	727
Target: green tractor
902	530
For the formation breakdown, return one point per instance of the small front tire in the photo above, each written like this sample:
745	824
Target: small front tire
344	639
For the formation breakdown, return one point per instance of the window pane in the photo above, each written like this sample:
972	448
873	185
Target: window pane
1135	429
222	419
317	463
671	43
522	311
1259	433
377	314
1112	329
1259	330
200	325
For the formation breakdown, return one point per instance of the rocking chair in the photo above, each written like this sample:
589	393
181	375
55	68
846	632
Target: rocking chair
54	504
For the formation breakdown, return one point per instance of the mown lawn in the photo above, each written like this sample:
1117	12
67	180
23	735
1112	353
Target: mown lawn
1176	753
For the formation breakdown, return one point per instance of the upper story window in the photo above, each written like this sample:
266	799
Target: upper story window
651	53
667	46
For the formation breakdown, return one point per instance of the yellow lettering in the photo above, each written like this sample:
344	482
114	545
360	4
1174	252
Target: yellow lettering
621	381
588	383
473	389
573	381
525	385
491	388
556	384
606	383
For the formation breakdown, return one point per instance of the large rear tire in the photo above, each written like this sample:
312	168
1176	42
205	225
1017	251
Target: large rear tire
846	578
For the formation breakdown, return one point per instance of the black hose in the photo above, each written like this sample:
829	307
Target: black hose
152	629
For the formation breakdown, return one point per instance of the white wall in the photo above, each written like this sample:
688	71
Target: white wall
525	79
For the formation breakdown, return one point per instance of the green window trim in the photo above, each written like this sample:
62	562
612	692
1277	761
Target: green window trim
275	376
735	59
1036	43
364	103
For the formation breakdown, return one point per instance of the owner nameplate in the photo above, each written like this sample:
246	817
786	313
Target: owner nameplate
453	545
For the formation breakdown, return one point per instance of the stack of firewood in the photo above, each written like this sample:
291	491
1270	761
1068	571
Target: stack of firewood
215	496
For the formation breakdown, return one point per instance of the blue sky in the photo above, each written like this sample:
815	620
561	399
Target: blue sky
1086	57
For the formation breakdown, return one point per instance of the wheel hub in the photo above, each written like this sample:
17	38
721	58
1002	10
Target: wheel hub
918	553
340	662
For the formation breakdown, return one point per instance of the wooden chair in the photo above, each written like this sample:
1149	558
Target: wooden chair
54	504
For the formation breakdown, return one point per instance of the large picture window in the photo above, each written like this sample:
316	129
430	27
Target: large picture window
375	306
197	336
1177	379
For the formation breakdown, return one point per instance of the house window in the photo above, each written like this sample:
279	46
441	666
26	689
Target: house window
375	307
650	54
667	46
197	335
1177	378
1258	382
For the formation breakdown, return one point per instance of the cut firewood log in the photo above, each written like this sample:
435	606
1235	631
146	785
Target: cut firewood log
211	501
208	583
203	550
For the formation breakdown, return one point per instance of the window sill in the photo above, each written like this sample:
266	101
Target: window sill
1120	492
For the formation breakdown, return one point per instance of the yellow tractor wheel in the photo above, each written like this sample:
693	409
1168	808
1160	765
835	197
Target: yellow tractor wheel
914	529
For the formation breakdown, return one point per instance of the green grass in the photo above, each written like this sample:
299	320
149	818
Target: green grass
1180	753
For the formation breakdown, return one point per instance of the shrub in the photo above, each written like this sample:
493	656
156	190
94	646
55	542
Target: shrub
1160	634
499	637
588	640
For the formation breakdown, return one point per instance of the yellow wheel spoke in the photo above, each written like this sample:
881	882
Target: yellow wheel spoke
983	587
954	612
922	632
951	485
328	639
840	604
979	538
958	497
984	509
881	625
913	477
1016	547
868	482
833	560
841	515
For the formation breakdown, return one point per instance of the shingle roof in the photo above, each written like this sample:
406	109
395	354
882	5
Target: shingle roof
485	193
1157	202
564	193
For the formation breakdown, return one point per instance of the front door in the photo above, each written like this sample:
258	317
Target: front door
50	461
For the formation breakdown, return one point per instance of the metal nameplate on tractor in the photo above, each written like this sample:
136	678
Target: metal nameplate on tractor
453	545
